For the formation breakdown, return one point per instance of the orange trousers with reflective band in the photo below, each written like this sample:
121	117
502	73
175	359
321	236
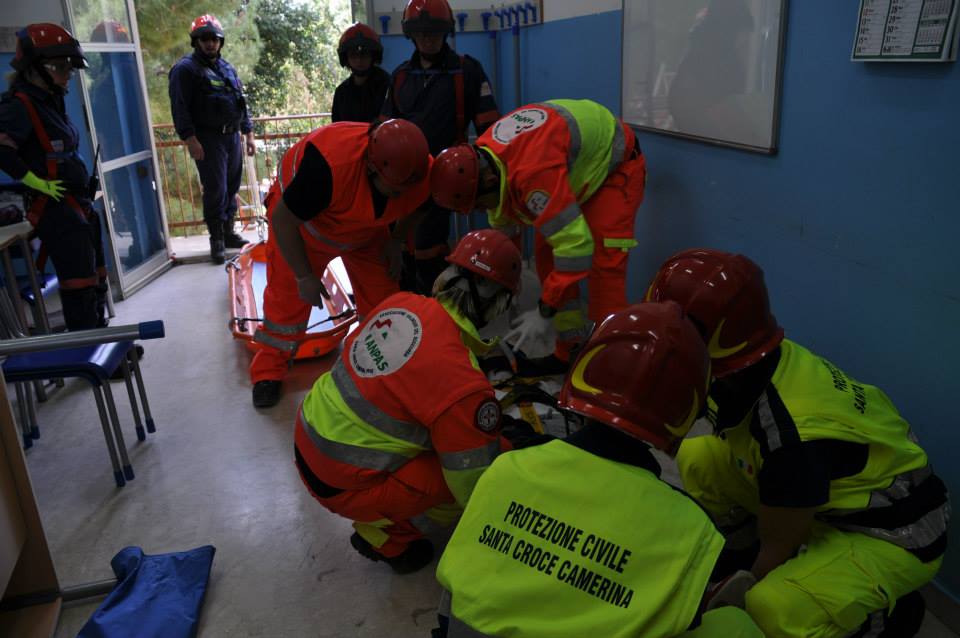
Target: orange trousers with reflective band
388	499
611	215
283	306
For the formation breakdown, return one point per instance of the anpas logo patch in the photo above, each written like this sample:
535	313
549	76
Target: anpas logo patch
518	122
386	343
537	201
488	416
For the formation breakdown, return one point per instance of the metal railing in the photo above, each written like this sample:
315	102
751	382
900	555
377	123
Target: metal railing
180	183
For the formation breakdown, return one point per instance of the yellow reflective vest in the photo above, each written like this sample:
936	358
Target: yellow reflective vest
557	542
825	403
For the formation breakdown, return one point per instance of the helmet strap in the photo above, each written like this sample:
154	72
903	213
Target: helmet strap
50	85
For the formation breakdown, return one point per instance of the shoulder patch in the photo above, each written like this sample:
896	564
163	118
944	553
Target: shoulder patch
537	201
487	417
386	342
522	121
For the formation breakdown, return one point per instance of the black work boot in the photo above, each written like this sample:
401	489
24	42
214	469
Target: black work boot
217	251
266	394
217	248
230	237
418	554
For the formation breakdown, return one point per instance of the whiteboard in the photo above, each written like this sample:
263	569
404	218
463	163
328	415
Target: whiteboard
704	69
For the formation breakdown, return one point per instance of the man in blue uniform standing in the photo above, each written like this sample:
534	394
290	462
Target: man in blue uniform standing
441	92
209	110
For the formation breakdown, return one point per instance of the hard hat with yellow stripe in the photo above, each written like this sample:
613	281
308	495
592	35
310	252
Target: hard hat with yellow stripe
645	371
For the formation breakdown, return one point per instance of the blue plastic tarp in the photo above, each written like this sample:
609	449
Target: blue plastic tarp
156	596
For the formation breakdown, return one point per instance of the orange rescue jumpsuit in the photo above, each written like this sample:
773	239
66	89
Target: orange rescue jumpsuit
347	228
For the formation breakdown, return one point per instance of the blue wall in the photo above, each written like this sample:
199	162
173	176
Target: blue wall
855	221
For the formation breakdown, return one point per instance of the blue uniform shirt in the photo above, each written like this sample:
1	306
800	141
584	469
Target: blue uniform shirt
207	96
427	97
16	127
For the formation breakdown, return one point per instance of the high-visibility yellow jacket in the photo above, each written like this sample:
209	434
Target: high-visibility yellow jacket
557	542
407	381
895	497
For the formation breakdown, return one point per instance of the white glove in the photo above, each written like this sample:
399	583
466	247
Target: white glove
531	325
731	591
312	290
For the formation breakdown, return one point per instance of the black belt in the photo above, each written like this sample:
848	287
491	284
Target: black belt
226	129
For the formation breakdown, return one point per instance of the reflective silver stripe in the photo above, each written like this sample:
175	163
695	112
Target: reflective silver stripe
274	342
316	235
284	328
572	264
618	148
470	459
768	423
372	415
558	223
917	535
573	126
443	607
355	455
459	629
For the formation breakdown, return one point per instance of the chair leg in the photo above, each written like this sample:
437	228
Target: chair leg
32	415
117	432
23	417
111	447
141	435
135	360
40	391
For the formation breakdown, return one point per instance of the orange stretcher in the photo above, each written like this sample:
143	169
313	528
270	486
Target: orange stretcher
326	327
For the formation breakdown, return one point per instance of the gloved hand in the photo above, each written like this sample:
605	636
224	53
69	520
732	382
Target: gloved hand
393	255
52	188
312	290
731	591
531	325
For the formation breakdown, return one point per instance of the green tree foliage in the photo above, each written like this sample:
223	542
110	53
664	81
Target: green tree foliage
165	38
297	70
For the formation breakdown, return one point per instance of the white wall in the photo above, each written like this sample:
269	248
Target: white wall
15	14
552	9
563	9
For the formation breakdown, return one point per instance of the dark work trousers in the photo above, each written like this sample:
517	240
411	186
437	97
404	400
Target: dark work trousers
221	170
431	245
75	248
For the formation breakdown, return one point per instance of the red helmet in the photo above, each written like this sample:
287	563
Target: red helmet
361	38
645	371
715	288
427	16
45	41
490	254
398	152
204	24
454	178
109	31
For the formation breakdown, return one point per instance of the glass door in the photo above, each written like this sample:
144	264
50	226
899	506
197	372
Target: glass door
118	116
